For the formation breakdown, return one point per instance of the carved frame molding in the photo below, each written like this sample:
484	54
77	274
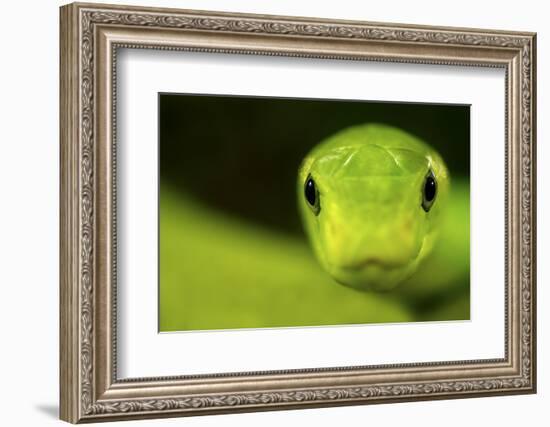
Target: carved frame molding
90	37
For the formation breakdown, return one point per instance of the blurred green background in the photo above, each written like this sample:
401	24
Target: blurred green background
232	250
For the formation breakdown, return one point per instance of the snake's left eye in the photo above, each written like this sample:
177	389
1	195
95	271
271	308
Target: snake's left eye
429	191
312	195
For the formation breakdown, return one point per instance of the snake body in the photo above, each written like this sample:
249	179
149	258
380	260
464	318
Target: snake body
372	200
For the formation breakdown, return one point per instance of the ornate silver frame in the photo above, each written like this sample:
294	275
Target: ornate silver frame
90	36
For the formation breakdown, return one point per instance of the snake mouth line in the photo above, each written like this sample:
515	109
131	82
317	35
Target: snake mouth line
374	262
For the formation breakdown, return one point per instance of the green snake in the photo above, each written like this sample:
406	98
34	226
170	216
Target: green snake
373	200
370	227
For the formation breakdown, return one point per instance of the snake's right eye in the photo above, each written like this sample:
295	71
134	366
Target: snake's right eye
312	195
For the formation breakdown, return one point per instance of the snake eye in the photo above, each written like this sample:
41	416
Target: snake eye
429	191
312	195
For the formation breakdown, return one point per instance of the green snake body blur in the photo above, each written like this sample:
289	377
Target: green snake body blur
365	208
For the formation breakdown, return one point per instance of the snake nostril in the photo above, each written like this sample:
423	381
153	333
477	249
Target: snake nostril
407	225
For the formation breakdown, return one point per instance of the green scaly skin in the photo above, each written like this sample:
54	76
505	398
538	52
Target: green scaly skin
371	231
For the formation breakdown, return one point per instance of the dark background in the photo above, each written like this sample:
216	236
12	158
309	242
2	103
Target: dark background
241	154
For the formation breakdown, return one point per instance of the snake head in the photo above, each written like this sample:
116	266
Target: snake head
371	198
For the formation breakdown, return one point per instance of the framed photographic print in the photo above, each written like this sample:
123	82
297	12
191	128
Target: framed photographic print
264	212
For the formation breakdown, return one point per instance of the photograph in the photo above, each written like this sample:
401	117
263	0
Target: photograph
262	212
288	212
